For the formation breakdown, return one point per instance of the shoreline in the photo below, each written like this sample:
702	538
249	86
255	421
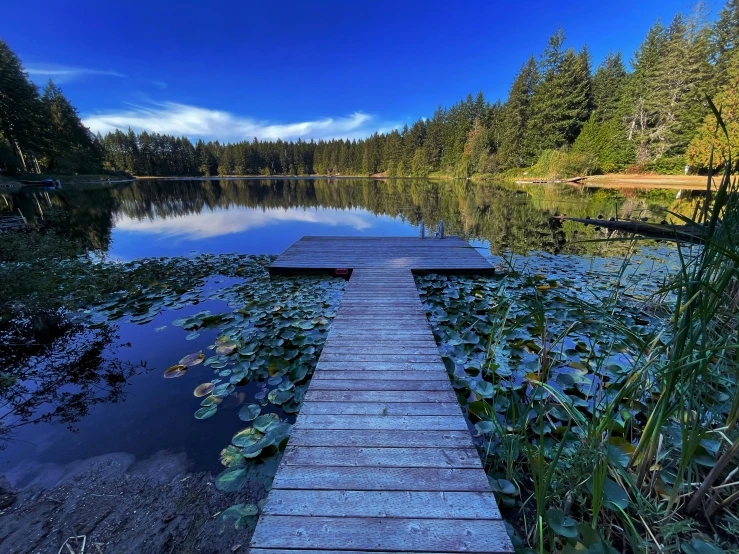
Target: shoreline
611	180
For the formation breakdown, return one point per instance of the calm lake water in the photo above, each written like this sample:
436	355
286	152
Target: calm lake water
183	217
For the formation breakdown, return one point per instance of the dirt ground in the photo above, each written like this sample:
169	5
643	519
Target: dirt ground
120	505
619	180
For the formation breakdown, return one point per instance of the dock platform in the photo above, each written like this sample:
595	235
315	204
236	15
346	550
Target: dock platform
381	458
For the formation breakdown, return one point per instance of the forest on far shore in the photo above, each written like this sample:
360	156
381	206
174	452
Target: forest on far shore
561	118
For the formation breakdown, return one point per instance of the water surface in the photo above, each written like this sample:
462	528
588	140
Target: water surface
182	217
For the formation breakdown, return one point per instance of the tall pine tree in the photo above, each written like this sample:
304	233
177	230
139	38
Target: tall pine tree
608	84
514	118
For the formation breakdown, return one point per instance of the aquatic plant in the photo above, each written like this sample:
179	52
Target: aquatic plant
606	403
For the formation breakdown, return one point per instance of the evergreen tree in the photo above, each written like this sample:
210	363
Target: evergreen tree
515	114
608	83
643	102
724	36
70	143
21	113
686	76
393	153
561	102
706	139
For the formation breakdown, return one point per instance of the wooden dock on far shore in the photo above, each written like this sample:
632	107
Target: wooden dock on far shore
381	458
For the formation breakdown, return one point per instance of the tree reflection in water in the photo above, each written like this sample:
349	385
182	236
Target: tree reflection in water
54	370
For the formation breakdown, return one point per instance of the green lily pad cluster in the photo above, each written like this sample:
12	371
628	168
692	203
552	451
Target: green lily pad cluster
138	291
264	354
272	338
538	360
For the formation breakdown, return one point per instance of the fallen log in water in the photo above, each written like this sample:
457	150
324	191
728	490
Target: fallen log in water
547	181
688	233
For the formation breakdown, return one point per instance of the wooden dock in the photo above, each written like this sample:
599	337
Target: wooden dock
381	458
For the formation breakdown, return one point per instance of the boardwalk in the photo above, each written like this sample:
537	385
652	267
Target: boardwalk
380	458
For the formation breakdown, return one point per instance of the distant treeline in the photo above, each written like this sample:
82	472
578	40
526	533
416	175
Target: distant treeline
560	118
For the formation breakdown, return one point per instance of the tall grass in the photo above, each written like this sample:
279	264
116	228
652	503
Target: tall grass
649	483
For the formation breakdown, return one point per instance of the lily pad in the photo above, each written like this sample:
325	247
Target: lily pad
561	524
232	479
242	514
206	412
175	371
193	359
246	437
226	349
249	412
265	421
279	397
204	389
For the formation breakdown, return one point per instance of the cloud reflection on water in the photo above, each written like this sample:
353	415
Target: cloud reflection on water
221	222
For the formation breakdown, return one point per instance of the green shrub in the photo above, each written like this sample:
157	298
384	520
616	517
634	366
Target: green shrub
667	166
564	163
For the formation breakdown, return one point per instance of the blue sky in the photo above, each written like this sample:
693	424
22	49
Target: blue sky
233	70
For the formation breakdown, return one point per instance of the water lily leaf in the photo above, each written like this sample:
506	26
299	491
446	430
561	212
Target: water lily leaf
242	514
577	548
210	401
226	349
503	486
561	524
249	412
614	494
231	455
223	390
175	371
265	421
298	373
232	479
192	336
484	427
204	389
246	437
484	389
193	359
206	412
278	397
275	434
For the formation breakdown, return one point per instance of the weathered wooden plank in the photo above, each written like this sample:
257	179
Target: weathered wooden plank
403	504
355	365
352	349
379	396
382	375
372	534
322	551
380	408
380	478
378	385
386	422
382	457
369	321
403	335
410	439
358	340
342	356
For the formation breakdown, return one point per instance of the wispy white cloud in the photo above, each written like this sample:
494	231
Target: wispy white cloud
236	220
65	74
196	122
